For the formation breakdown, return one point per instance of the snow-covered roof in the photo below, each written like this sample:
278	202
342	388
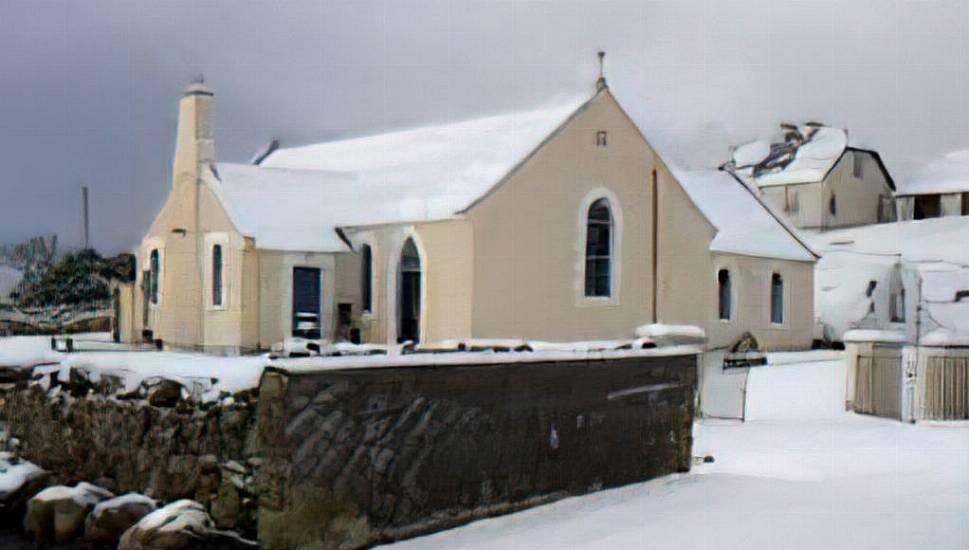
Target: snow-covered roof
297	196
744	224
807	155
933	249
949	174
917	241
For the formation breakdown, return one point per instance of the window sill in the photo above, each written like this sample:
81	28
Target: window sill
590	301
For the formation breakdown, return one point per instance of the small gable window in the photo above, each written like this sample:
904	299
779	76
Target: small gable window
366	277
858	168
217	275
725	294
833	205
602	138
154	267
776	298
598	250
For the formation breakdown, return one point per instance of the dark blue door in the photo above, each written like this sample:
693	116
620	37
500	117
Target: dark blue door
306	302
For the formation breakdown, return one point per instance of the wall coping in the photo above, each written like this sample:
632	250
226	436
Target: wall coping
307	365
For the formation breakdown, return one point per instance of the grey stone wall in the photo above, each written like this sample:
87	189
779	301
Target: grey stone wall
184	451
356	457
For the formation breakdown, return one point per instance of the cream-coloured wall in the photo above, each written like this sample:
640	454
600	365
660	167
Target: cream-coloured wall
126	313
808	211
191	221
857	199
449	276
951	204
275	270
446	249
688	288
905	205
528	260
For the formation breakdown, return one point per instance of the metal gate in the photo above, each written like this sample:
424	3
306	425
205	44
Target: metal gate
878	385
945	388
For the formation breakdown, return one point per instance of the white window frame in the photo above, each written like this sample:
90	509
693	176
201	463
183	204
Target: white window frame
152	245
374	251
393	265
615	253
221	239
731	273
785	298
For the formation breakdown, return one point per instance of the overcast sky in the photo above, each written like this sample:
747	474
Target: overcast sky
88	89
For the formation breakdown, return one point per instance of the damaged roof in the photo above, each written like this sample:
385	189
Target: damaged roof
806	155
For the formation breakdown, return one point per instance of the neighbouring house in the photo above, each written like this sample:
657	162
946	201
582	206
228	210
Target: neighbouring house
939	189
897	295
560	223
816	179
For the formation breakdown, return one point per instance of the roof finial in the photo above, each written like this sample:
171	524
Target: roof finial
601	83
197	86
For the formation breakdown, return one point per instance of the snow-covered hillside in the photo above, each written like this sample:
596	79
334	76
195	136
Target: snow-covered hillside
803	475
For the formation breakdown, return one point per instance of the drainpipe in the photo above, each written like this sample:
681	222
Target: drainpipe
655	192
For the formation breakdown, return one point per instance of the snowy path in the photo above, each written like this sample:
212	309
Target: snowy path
832	480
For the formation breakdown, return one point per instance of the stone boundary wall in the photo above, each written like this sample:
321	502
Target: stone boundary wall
168	453
353	458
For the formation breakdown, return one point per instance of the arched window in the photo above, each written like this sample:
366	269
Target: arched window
833	205
154	269
776	298
366	277
598	250
725	293
217	275
409	294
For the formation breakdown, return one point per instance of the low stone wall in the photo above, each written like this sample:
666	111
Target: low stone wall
169	453
356	457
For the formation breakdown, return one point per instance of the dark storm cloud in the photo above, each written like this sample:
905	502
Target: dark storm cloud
89	89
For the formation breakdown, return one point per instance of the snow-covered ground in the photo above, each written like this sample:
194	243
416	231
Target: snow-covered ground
801	475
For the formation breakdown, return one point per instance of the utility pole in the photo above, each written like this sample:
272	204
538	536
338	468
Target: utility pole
87	235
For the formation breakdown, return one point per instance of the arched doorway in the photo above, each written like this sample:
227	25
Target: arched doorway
409	294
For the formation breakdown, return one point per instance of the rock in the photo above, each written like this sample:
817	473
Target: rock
183	524
164	393
56	514
111	518
19	481
226	505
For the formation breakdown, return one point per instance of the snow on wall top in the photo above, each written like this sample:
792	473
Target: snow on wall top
297	196
806	155
949	174
744	225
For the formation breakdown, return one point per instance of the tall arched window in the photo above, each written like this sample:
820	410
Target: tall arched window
598	250
366	277
409	294
776	298
725	293
217	275
154	268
